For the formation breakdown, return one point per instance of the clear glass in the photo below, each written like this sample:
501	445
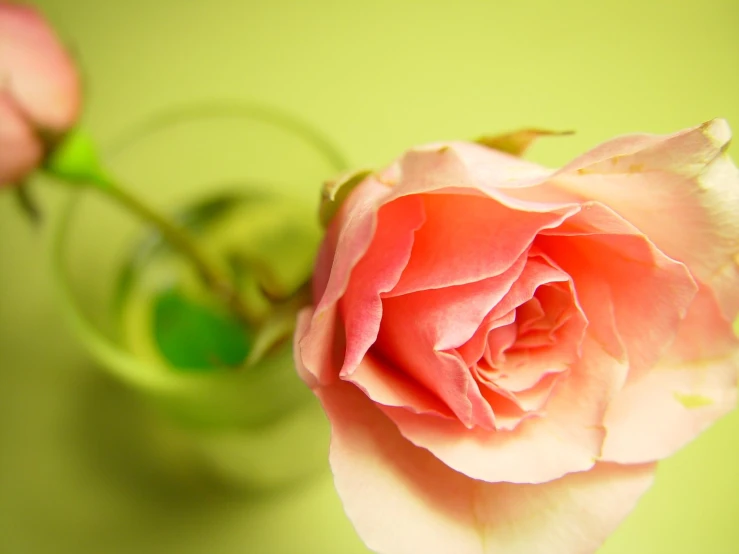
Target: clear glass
257	427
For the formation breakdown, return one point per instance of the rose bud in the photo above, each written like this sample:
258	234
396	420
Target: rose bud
39	91
504	351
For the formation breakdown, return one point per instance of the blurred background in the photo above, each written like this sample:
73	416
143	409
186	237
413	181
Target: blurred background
377	77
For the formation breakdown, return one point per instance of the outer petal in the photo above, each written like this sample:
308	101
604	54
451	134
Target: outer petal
20	148
325	259
680	190
36	69
353	229
492	168
463	165
659	412
665	409
568	438
402	500
376	273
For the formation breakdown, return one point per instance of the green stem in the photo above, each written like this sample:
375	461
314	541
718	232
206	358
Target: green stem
74	160
180	240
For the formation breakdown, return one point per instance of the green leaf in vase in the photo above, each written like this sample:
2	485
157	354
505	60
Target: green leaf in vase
194	337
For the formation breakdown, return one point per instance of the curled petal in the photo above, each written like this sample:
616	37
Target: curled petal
389	386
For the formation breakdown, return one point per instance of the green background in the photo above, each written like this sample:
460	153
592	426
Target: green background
377	76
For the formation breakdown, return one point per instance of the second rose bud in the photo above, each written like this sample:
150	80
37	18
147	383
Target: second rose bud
40	96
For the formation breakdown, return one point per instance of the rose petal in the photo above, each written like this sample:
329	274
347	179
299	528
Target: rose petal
680	190
649	292
567	439
446	318
705	332
527	401
460	241
302	324
474	349
509	410
36	69
376	273
490	168
356	222
531	316
499	340
664	409
417	328
324	259
539	271
402	500
389	386
466	168
694	385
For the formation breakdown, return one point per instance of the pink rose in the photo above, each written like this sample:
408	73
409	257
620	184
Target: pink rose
504	351
39	90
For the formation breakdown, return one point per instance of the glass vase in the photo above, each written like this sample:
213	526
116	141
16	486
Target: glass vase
232	174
